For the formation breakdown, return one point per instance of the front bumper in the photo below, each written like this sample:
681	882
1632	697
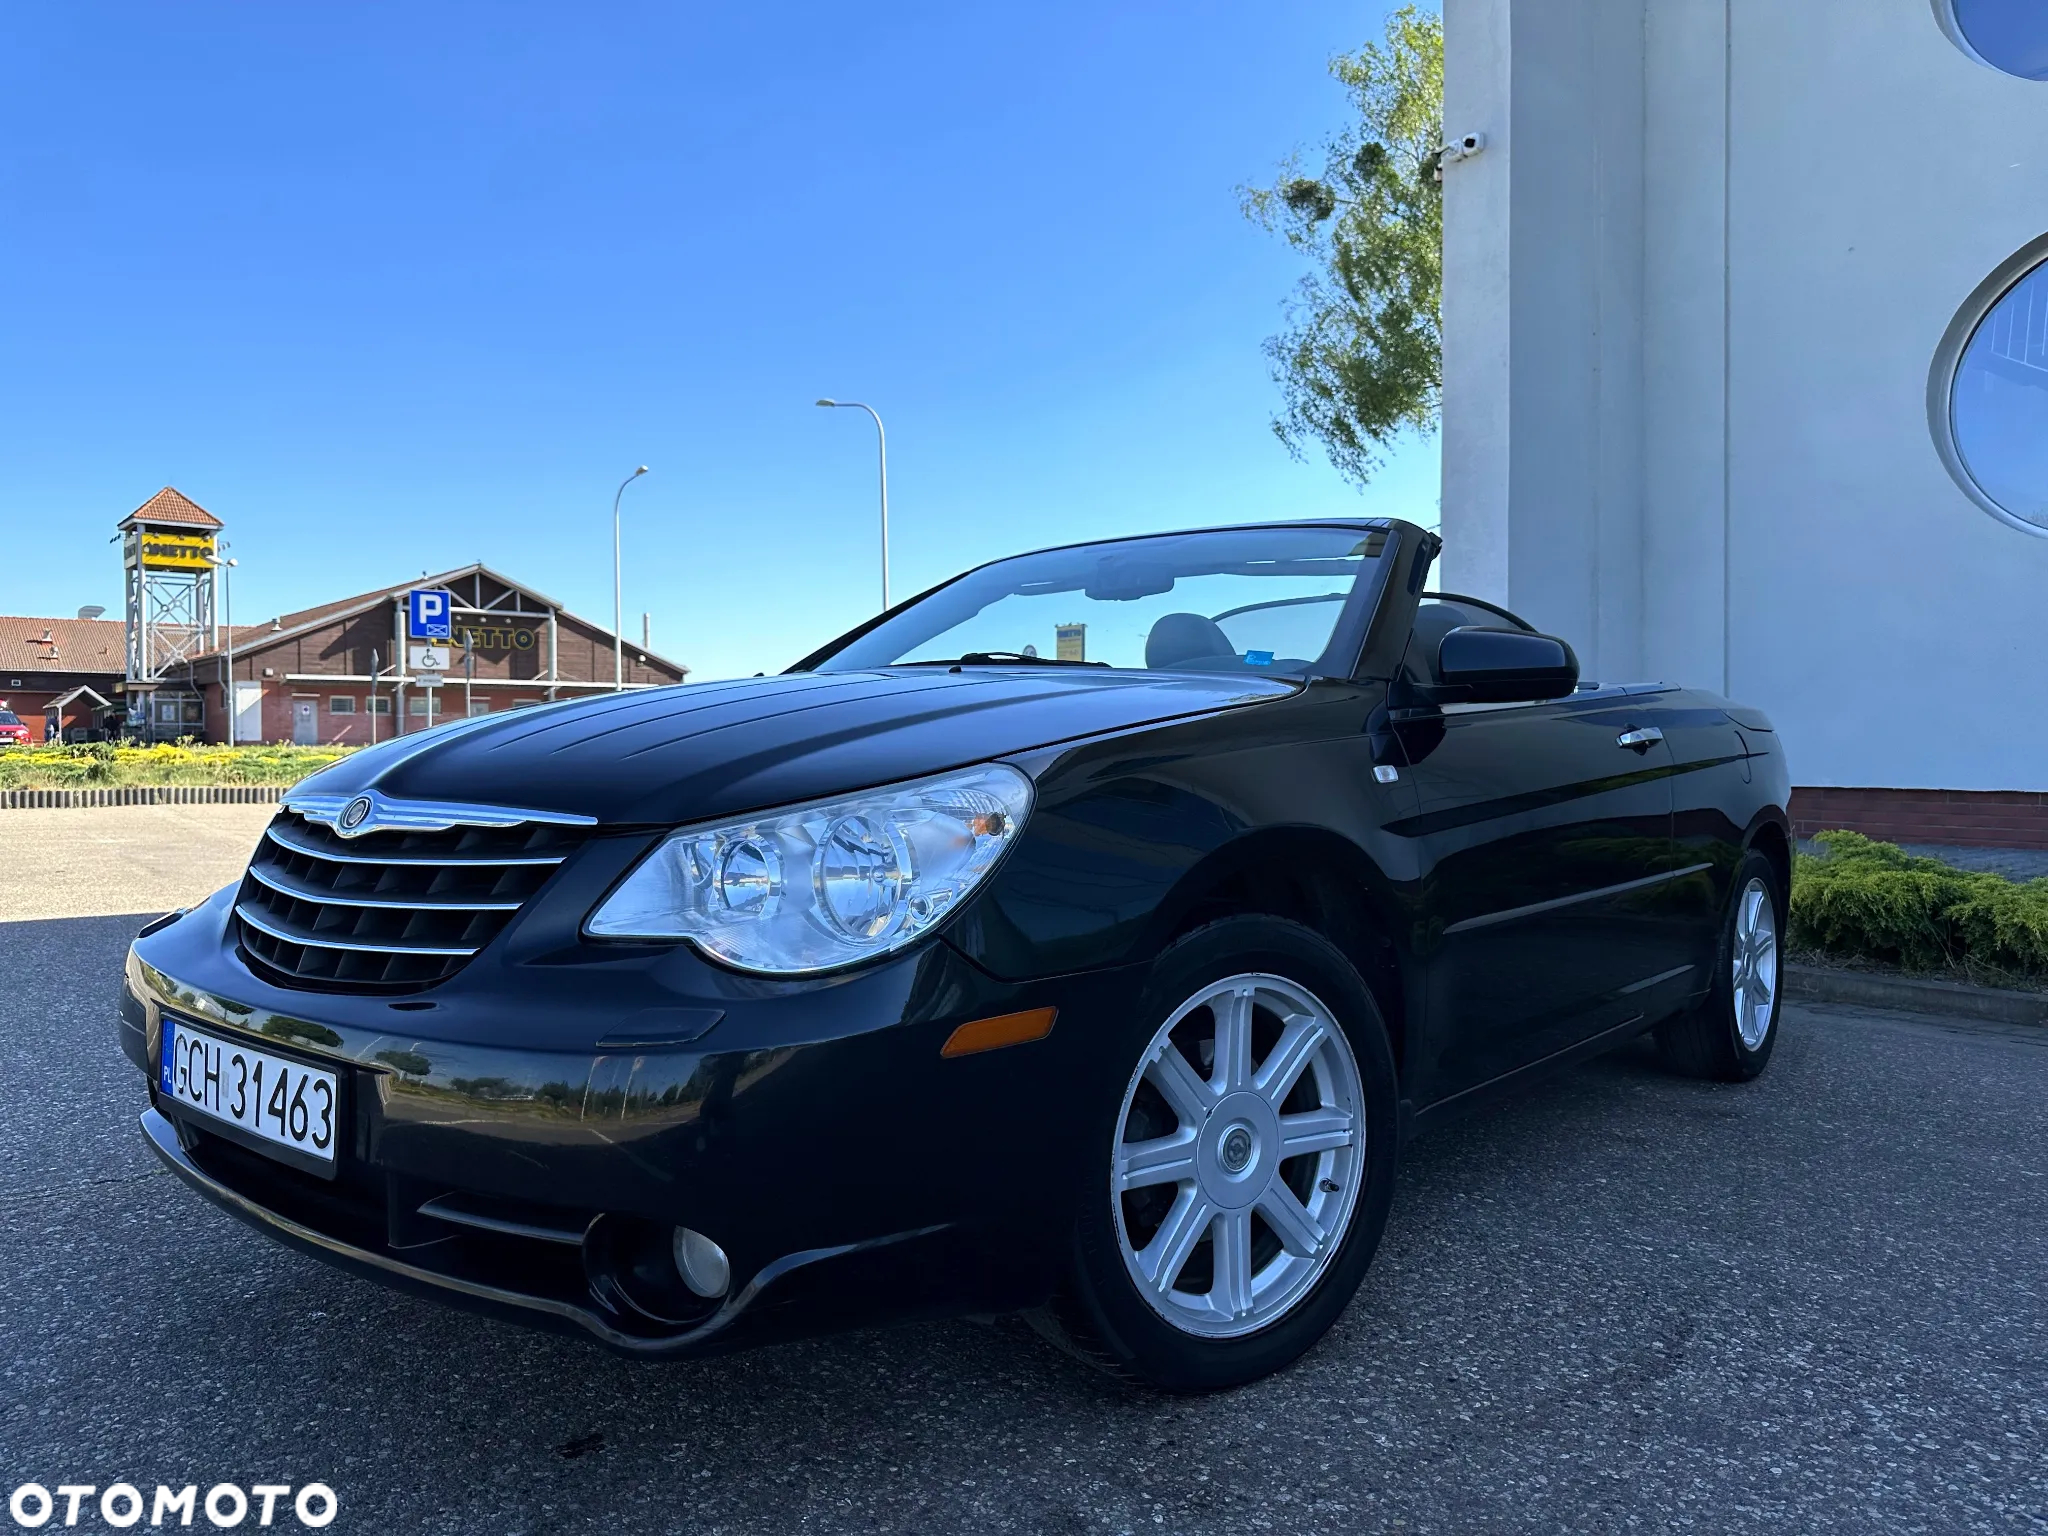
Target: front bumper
530	1303
851	1174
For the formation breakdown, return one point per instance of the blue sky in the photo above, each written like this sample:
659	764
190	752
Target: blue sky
394	287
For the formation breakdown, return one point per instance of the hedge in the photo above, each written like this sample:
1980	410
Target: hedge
85	764
1875	901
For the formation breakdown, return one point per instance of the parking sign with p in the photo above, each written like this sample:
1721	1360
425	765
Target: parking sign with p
430	613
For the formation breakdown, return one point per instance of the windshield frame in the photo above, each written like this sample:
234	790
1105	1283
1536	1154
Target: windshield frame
1340	656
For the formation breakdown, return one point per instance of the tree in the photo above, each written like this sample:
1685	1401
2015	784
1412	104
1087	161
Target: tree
1362	356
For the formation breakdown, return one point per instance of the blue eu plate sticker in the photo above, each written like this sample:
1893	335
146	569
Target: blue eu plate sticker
1258	658
170	1047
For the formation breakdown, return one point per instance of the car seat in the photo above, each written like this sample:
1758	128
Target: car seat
1179	639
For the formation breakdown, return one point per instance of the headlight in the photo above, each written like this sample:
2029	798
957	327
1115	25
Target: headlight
816	886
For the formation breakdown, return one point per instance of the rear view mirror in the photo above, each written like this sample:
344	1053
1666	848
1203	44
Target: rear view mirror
1502	666
1126	580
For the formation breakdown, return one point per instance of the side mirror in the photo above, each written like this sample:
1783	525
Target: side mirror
1502	666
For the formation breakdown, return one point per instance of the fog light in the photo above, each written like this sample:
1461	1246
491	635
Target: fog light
702	1264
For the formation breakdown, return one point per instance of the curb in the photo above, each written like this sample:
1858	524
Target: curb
1824	984
142	794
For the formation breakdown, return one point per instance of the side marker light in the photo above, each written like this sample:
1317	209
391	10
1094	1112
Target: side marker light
994	1034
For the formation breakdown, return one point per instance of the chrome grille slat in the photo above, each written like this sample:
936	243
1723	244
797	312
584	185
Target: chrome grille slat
400	906
422	815
304	893
335	857
352	946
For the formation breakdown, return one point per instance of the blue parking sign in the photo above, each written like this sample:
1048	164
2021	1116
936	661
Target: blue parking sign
430	611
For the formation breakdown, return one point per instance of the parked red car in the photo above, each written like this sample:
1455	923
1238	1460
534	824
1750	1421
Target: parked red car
12	732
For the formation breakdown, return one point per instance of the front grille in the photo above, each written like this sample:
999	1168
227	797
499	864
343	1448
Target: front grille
392	910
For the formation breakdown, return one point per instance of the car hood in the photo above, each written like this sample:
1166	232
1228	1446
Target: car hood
680	754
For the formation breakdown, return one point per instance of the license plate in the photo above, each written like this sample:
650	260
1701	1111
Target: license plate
280	1101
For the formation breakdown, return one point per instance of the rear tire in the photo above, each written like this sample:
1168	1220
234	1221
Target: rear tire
1729	1037
1235	1193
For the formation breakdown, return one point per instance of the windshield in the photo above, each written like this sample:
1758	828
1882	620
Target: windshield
9	717
1264	600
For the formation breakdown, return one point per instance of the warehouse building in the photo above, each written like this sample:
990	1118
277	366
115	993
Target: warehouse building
357	670
349	672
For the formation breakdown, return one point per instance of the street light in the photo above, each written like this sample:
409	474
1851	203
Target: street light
618	606
882	441
227	592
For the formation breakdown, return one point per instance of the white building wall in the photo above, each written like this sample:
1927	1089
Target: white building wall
1685	340
1693	288
1477	389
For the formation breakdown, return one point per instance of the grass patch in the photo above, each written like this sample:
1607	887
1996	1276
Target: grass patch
90	764
1866	900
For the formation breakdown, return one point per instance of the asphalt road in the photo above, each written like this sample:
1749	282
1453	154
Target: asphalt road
106	859
1623	1302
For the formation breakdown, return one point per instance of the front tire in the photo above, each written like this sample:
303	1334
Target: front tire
1245	1165
1730	1036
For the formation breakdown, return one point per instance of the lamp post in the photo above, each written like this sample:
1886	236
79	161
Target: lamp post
618	605
882	443
227	592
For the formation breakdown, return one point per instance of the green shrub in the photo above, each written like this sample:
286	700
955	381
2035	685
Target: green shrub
1875	901
2007	926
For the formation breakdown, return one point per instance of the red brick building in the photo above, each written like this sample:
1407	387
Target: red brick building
46	661
349	672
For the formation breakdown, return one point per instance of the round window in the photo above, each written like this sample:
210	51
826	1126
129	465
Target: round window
2011	35
1991	393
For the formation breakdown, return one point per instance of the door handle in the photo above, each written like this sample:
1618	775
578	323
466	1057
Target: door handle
1642	738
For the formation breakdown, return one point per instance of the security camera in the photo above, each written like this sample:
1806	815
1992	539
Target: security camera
1461	148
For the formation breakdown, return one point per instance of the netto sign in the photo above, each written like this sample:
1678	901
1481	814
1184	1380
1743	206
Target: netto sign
176	551
479	637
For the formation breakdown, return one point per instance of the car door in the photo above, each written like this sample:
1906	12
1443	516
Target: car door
1710	808
1542	834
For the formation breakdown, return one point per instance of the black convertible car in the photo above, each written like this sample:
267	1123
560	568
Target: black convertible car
1084	937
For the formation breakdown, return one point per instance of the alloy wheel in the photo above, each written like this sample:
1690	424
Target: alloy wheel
1756	963
1238	1155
